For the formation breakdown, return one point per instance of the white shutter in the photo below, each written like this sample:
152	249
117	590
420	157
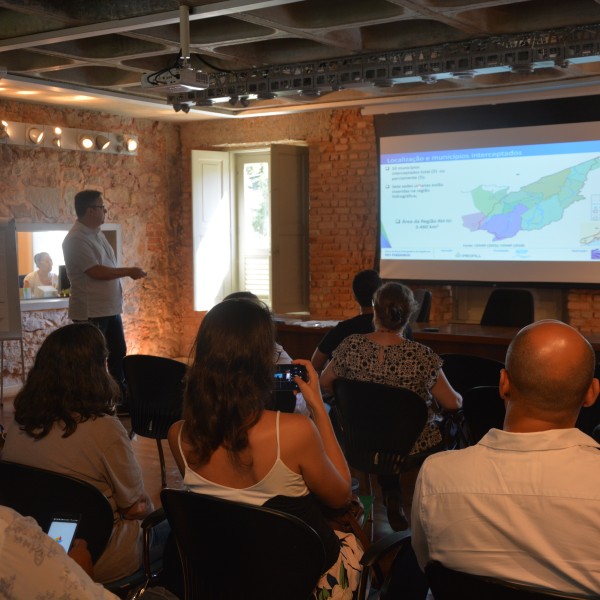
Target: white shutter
211	220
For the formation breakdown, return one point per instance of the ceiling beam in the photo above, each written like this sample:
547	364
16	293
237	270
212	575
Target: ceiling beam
218	9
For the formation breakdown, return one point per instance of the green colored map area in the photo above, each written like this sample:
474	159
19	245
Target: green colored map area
534	206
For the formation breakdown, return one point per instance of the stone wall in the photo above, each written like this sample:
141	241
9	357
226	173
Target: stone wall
150	196
142	193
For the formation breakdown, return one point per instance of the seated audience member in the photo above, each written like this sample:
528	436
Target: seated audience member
364	285
523	505
64	422
387	358
228	445
280	356
33	565
41	276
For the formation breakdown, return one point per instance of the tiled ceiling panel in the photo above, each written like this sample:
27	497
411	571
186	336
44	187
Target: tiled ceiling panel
307	50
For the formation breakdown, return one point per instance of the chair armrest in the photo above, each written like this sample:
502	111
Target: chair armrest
154	518
371	558
380	548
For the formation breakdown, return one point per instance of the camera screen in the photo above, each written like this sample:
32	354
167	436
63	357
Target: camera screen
284	376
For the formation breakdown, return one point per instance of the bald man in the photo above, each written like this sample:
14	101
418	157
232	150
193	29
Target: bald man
523	505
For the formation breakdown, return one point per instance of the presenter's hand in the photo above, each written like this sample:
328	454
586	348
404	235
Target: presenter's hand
137	273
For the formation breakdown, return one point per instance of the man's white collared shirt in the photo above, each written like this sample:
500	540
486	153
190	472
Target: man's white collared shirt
522	507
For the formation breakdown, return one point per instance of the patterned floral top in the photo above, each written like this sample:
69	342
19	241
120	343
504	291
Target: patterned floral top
34	567
408	364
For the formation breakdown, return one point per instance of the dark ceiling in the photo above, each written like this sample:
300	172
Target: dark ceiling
296	53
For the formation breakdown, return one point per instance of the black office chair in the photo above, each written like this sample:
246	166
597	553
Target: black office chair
155	396
230	550
380	425
589	416
509	307
403	579
465	371
43	494
423	297
483	409
447	584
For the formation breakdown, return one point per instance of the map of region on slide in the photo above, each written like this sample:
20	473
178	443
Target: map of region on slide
504	213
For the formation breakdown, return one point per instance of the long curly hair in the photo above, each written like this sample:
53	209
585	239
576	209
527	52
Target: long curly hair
68	383
231	377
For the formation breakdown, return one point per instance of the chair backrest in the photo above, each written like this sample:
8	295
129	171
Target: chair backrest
423	297
231	550
465	371
447	584
42	494
589	416
380	424
509	308
155	393
483	409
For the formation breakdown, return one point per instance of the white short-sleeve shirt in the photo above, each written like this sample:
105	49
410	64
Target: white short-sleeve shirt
84	248
521	507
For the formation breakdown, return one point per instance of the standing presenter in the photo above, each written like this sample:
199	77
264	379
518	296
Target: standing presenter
96	293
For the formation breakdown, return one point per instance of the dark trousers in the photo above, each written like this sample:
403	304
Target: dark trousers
112	328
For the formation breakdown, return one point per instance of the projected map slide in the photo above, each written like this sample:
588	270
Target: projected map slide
535	202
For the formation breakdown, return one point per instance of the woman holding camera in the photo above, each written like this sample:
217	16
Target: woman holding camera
230	446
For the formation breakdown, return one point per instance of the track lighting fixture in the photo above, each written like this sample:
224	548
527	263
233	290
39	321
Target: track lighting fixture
86	141
35	135
102	142
53	137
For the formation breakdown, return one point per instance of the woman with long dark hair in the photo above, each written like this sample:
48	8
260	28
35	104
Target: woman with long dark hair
230	446
64	422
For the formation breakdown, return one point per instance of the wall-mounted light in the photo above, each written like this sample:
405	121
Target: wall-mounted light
132	144
52	137
127	144
86	141
56	139
102	142
35	135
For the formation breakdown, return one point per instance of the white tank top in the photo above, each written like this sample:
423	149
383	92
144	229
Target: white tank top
279	481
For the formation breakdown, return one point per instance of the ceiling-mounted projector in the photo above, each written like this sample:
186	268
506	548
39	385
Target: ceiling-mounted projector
175	80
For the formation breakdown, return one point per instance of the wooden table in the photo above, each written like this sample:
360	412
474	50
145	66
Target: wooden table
465	338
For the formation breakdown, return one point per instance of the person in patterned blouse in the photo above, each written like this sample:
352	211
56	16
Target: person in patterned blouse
387	357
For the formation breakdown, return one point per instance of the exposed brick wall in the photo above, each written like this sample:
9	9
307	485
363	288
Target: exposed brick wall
150	196
37	185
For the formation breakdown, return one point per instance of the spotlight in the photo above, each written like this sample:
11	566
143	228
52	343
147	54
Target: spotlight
102	142
35	135
185	108
233	100
57	141
86	141
244	101
4	130
132	144
177	107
